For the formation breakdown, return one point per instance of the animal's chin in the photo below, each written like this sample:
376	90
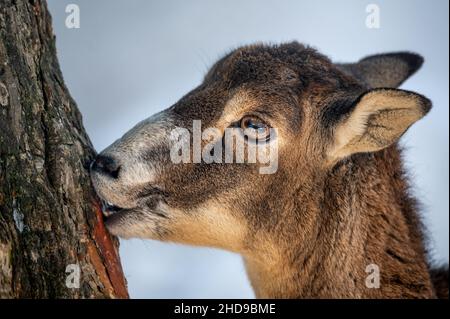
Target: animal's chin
128	222
116	217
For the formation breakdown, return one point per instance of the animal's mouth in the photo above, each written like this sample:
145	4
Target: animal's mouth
110	209
113	213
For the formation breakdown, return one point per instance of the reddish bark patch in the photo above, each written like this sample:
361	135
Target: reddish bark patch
109	255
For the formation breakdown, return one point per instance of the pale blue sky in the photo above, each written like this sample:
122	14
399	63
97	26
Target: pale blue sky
132	58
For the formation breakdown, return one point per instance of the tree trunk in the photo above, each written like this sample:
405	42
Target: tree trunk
50	221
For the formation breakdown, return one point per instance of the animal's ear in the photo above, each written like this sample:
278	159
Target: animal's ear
384	70
377	119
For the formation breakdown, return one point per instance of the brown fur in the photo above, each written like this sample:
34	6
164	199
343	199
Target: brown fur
311	229
439	277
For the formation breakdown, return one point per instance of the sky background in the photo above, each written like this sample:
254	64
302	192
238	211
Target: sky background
132	58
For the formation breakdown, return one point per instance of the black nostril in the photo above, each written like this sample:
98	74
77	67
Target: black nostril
106	165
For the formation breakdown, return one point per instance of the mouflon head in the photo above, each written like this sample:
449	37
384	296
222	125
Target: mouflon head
220	167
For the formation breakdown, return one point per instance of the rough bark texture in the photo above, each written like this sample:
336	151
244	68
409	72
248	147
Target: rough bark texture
49	216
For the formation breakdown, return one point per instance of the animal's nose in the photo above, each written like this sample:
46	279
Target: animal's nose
106	165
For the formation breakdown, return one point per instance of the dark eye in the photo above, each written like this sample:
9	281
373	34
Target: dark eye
256	129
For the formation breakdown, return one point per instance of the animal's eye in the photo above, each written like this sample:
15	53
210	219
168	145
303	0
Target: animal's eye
255	128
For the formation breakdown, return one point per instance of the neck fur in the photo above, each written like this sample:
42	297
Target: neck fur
363	220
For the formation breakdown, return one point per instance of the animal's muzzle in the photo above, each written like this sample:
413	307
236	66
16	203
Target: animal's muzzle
106	165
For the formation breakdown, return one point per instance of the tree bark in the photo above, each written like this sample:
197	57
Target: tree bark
50	220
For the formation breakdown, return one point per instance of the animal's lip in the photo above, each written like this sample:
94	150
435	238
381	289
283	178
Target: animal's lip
110	209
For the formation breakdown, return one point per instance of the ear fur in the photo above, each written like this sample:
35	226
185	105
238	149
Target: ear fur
384	70
378	118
